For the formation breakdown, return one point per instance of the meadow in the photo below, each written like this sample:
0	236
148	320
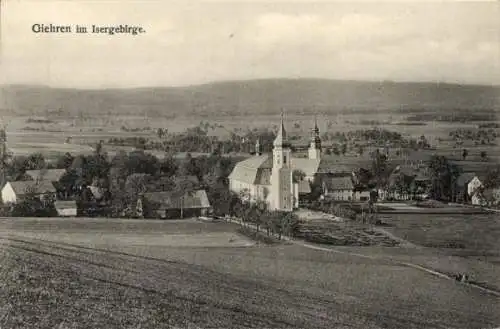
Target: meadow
79	273
466	243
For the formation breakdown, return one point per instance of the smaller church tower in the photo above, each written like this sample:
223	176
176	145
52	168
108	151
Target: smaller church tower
282	196
315	145
257	147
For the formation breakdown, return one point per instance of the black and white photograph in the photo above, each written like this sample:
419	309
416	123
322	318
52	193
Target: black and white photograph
239	164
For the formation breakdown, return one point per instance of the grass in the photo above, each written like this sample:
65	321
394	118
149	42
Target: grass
108	283
453	243
477	233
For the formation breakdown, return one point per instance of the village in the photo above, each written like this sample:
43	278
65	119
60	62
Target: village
285	178
242	165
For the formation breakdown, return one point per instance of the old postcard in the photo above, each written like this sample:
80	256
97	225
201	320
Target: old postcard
237	164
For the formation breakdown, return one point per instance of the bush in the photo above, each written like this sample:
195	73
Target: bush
331	208
34	207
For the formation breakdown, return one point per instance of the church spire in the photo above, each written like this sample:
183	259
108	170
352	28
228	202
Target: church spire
315	146
281	139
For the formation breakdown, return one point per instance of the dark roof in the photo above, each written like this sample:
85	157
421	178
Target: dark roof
170	200
40	187
465	178
338	183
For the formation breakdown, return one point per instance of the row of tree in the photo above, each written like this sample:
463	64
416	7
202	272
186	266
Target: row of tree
277	223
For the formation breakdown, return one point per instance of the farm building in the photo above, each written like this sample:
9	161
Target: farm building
14	192
66	208
338	188
406	182
172	205
491	196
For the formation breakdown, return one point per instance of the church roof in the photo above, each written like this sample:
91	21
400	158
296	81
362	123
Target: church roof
257	169
254	170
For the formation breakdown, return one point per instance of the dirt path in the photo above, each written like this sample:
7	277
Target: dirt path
402	242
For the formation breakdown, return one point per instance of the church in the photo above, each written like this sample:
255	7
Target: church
269	177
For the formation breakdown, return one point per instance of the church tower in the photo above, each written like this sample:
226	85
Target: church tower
315	145
257	147
281	176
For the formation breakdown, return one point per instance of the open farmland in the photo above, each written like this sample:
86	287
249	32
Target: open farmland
90	273
475	233
458	243
80	139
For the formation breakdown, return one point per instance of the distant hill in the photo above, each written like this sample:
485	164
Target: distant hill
251	97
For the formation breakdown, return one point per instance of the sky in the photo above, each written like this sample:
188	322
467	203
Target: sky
198	42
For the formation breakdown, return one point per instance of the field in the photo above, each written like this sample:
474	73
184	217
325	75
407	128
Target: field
78	136
91	273
466	243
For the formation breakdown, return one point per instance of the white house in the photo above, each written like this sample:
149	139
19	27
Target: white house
14	192
474	190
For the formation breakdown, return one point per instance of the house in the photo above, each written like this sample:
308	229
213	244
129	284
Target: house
406	182
94	200
173	205
491	196
14	192
363	195
56	177
339	188
474	191
461	186
66	208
